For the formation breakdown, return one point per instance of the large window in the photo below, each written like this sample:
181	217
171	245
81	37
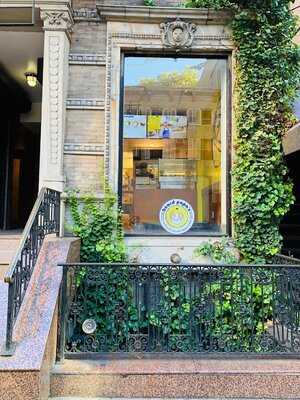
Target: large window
172	140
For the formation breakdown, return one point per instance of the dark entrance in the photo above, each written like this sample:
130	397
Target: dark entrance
19	155
290	226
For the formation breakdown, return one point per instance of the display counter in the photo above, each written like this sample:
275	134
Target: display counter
148	210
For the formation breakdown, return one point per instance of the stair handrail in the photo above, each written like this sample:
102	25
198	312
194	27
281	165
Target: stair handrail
44	219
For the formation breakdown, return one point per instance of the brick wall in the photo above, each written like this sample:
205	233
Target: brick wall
83	171
85	126
88	37
87	81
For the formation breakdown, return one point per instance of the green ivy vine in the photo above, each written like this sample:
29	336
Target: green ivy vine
149	3
99	226
267	79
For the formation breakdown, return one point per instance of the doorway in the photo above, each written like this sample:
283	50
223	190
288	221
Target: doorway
19	173
20	123
19	155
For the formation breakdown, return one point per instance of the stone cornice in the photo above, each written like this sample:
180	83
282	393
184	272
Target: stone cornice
54	4
202	16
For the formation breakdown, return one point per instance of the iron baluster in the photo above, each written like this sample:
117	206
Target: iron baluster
40	223
211	309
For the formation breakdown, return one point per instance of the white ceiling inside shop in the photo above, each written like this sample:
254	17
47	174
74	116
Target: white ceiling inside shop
19	52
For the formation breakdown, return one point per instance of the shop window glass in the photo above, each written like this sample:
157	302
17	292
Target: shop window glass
174	125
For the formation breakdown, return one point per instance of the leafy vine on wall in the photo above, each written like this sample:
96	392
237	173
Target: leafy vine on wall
267	79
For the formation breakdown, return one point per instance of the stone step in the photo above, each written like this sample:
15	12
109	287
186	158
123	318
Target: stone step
8	246
165	378
3	269
9	243
130	398
6	256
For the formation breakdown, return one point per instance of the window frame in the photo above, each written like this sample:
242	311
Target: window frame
228	140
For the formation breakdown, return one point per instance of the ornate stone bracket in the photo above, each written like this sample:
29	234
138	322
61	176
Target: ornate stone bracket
57	20
178	34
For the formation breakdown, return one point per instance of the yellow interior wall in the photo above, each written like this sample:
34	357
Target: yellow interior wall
205	169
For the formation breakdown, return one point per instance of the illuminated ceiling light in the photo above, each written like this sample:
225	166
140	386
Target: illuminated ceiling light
31	79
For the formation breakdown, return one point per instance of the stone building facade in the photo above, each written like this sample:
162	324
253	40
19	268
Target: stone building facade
101	33
82	101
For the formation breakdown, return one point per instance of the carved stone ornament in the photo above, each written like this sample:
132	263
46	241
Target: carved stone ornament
57	20
178	34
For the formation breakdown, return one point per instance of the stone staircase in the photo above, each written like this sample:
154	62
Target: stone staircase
9	241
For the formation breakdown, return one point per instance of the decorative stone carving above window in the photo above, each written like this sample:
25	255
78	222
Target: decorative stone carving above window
178	34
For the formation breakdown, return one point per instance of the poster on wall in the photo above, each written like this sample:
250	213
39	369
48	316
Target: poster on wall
167	126
173	127
154	126
135	126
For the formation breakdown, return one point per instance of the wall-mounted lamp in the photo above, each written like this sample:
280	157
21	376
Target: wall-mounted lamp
31	79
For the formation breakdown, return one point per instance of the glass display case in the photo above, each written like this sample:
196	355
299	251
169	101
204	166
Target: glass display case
177	174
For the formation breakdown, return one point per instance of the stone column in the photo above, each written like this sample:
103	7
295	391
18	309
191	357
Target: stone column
57	28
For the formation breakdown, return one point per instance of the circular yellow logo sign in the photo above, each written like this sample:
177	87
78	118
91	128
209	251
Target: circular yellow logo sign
176	216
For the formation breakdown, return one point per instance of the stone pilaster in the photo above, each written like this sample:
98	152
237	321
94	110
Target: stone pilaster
57	28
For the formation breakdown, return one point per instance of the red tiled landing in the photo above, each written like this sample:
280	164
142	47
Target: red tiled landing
178	378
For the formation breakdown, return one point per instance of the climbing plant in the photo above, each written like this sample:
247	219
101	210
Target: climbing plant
99	226
267	78
149	3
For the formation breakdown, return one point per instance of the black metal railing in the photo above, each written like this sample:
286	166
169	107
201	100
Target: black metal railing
43	220
169	308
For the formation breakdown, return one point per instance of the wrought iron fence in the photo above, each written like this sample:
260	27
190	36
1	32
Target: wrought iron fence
44	219
167	308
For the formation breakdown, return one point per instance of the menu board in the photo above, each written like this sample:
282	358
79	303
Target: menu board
135	126
155	127
167	126
173	127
